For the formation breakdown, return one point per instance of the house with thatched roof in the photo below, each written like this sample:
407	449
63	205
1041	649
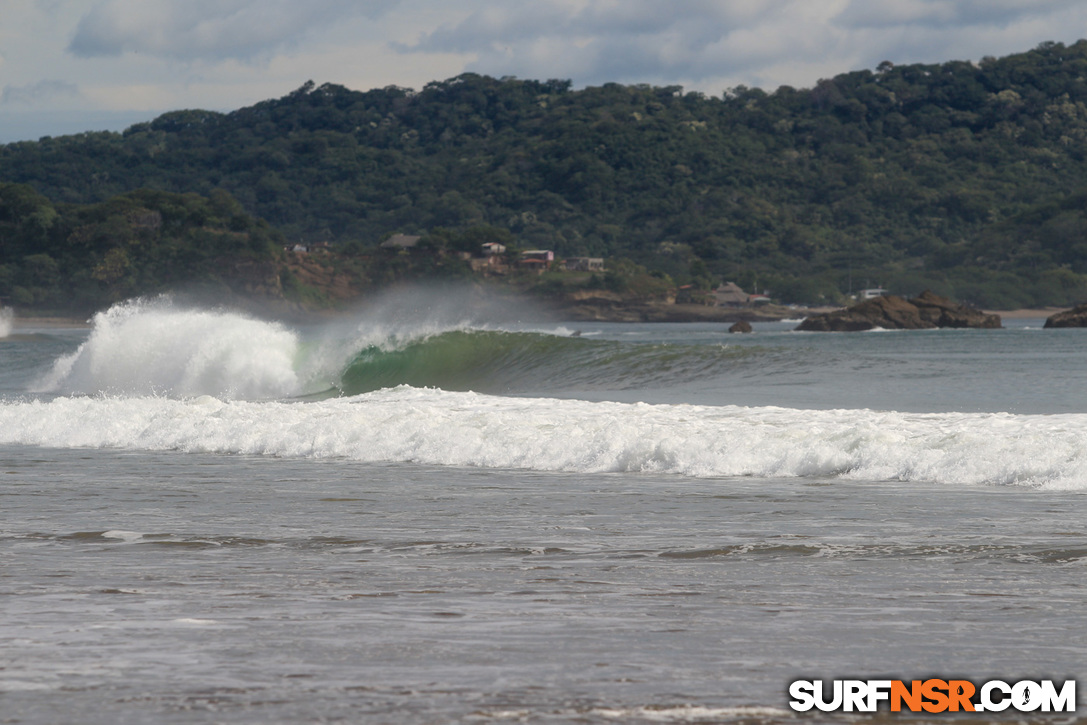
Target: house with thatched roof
730	295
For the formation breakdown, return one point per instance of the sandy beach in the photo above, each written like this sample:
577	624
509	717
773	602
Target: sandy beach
1027	314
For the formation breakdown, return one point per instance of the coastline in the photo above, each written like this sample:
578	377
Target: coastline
1027	313
609	310
604	309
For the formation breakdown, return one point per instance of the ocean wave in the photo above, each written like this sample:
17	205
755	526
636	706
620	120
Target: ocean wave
428	426
503	361
146	347
154	347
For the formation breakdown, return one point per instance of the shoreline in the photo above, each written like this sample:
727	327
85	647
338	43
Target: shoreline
602	311
1027	313
607	312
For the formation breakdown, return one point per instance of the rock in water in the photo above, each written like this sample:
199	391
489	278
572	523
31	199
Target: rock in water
944	313
890	312
925	311
1075	317
741	326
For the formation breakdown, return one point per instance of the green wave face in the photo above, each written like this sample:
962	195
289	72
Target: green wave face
516	362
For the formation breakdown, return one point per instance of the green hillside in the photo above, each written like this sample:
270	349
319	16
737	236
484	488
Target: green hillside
970	179
81	257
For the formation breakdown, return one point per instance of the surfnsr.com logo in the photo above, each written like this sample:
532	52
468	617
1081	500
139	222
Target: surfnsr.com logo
932	696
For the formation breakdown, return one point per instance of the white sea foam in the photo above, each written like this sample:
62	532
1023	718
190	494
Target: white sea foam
467	429
691	713
152	348
128	537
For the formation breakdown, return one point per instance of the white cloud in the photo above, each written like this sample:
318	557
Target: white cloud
157	55
711	44
35	94
933	31
209	29
597	41
944	14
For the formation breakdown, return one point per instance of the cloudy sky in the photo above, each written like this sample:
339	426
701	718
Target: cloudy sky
74	65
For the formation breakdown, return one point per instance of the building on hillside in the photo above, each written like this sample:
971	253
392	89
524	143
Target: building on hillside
730	295
537	259
757	299
871	293
491	249
584	264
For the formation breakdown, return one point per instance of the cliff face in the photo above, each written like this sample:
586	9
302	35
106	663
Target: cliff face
926	311
1075	317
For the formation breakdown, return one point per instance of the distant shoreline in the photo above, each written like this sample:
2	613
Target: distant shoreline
616	313
1027	313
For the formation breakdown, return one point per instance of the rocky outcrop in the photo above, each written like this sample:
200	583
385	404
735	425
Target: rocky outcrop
741	326
888	312
1075	317
926	311
942	312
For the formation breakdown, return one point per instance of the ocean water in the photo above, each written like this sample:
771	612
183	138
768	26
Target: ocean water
434	510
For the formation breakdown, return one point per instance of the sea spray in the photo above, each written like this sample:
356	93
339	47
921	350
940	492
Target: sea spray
467	429
151	347
7	321
409	328
157	347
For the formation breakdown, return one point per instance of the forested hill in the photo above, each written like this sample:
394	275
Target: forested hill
968	178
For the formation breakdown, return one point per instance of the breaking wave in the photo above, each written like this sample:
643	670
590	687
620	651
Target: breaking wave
515	362
429	426
151	348
155	348
460	392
